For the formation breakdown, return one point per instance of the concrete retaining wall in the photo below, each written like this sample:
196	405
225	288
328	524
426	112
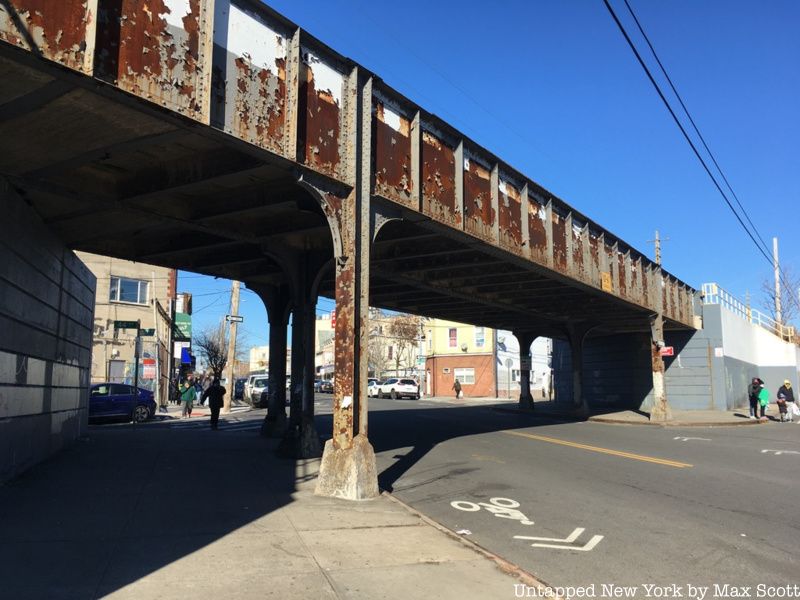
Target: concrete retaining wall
46	318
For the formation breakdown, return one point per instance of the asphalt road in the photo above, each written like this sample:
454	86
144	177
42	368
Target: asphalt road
711	508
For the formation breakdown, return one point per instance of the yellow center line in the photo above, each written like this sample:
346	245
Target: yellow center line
651	459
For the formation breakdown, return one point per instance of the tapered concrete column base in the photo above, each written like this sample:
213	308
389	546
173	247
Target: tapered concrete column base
582	410
275	425
300	441
526	402
661	413
350	473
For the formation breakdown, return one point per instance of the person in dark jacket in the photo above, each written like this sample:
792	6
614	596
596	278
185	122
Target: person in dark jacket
214	394
785	400
752	393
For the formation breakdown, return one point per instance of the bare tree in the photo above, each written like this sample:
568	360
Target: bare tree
377	350
404	329
790	284
212	345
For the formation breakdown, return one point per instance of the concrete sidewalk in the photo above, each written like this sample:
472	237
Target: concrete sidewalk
172	509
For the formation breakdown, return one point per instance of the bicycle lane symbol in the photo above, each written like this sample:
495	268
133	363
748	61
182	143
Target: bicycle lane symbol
505	508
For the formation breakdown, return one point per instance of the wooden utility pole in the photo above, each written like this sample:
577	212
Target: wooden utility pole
778	310
226	408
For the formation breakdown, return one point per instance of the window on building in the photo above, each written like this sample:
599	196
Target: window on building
480	337
515	375
453	336
128	290
391	348
465	375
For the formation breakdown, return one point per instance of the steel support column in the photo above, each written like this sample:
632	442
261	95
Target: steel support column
277	303
301	439
525	339
348	469
576	333
661	410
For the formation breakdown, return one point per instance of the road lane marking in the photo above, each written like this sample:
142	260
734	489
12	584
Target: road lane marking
650	459
686	439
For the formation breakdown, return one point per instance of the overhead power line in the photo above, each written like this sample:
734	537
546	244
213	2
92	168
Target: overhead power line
763	250
694	125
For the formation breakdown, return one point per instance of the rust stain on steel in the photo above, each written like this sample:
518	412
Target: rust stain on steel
479	213
610	257
510	216
392	155
537	221
142	49
56	29
636	265
559	242
578	268
259	97
319	127
345	333
645	290
623	288
594	258
439	180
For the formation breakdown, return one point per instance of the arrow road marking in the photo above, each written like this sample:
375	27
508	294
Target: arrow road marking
567	540
686	439
779	452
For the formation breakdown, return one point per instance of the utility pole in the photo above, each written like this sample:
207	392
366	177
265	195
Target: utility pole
657	242
778	311
231	346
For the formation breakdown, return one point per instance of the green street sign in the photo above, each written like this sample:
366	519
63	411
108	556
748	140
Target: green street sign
126	324
147	332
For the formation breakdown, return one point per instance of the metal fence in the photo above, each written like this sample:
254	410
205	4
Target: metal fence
714	294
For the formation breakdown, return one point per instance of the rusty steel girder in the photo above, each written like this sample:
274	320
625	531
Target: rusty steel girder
246	70
60	30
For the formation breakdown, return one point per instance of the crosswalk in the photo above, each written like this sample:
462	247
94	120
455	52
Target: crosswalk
225	425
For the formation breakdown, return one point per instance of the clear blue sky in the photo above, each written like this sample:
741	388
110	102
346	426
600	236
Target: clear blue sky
551	87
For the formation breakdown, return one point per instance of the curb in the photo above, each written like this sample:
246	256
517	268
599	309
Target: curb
501	563
613	421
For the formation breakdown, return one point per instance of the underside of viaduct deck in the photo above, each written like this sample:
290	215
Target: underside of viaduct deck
229	142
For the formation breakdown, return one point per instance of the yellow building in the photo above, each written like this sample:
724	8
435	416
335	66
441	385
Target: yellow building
459	351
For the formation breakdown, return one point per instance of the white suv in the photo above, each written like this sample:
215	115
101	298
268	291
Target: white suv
398	388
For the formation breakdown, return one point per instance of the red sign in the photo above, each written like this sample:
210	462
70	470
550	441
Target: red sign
668	351
333	319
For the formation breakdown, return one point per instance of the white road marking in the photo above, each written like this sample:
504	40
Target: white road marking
505	508
686	439
567	540
779	452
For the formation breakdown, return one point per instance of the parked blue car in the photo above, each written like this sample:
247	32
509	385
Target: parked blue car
116	400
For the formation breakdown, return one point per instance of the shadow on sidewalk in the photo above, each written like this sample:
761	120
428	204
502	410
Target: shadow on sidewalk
130	500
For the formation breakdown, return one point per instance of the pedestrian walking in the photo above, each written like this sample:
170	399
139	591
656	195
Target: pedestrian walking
786	402
188	395
198	390
752	394
214	393
457	388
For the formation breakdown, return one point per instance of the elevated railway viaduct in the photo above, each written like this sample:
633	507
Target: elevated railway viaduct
218	137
